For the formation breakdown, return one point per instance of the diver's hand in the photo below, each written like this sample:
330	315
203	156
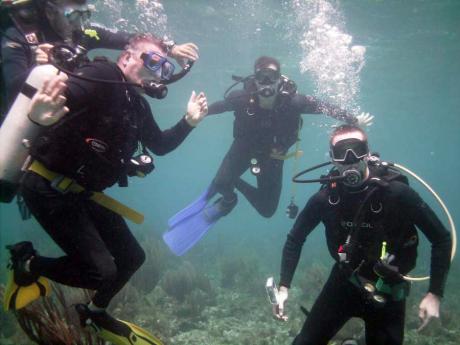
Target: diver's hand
42	53
183	52
47	106
364	119
197	108
428	309
278	309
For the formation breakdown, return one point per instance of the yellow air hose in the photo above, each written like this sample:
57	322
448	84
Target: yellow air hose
449	217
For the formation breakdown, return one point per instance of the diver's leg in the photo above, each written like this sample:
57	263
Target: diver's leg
329	313
123	246
87	263
385	325
265	198
234	164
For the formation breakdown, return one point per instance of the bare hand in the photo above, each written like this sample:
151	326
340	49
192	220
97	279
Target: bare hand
42	53
428	309
47	106
197	108
183	52
278	309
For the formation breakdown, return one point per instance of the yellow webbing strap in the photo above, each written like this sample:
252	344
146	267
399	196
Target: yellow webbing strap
296	154
66	184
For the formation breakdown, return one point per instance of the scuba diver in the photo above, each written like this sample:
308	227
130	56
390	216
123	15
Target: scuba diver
32	28
370	216
267	123
103	139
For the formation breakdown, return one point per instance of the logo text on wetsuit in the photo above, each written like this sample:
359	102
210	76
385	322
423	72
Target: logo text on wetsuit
349	224
97	145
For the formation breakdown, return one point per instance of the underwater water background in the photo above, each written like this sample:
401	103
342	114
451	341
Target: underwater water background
410	82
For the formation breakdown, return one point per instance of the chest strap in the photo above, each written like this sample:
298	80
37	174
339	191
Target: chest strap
65	185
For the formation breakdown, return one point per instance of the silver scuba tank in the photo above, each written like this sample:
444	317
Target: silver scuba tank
18	131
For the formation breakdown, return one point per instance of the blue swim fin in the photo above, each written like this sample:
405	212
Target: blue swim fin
185	234
192	209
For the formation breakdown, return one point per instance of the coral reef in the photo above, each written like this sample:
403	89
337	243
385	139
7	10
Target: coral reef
52	320
157	261
188	307
180	282
241	272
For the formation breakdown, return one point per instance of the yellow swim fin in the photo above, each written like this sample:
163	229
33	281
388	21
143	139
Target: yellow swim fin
23	287
17	297
116	331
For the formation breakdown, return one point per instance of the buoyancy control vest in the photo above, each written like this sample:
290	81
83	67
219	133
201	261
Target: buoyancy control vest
276	127
92	145
366	223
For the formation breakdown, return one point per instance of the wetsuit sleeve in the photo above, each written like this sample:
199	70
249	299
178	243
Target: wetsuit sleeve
230	103
162	142
98	36
16	64
306	222
312	105
441	243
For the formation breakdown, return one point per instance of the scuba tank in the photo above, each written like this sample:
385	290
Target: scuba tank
18	131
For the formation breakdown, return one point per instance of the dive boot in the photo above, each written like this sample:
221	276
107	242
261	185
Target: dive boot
117	332
22	287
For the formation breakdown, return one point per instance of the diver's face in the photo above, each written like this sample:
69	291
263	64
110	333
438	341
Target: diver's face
267	81
133	66
349	153
67	17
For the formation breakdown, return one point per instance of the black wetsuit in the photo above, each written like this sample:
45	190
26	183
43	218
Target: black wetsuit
18	60
391	217
104	127
257	134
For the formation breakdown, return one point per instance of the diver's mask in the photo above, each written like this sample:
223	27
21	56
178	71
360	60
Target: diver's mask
69	19
161	68
349	156
267	82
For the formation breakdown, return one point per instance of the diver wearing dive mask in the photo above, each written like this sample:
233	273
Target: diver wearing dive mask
371	223
94	147
349	152
267	80
268	111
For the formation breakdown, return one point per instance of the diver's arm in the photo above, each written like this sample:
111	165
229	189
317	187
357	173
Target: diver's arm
162	142
220	107
229	103
306	222
312	105
98	36
16	64
431	226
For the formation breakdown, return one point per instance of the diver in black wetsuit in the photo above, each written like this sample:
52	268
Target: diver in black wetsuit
90	150
50	22
370	220
47	22
267	123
